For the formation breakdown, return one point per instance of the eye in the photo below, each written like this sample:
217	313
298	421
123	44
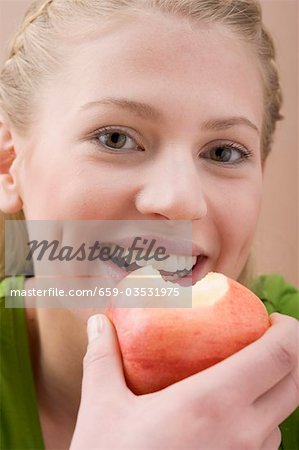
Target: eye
115	139
228	153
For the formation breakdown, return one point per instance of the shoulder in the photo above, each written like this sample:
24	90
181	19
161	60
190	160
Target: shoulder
277	294
11	292
280	296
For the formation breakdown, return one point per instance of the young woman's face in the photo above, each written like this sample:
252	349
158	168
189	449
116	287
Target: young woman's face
153	118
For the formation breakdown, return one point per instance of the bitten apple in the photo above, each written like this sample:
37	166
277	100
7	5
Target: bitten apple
161	346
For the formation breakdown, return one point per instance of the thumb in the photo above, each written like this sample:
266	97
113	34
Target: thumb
102	364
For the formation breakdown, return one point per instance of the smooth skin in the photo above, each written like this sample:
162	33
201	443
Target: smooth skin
185	77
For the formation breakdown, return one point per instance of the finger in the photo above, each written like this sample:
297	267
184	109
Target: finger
277	404
102	366
252	371
273	440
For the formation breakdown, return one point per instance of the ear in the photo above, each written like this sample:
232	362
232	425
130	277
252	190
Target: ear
10	201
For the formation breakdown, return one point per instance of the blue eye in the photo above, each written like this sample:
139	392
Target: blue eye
115	140
227	153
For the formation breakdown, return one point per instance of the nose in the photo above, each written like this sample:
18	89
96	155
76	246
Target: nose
173	189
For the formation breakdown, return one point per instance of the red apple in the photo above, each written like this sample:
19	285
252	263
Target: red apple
161	346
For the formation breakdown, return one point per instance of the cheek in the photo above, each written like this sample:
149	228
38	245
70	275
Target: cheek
237	215
75	191
97	196
241	220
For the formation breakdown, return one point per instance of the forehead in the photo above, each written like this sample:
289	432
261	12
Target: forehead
164	60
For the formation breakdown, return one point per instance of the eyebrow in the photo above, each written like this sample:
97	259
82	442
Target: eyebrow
141	109
223	124
149	112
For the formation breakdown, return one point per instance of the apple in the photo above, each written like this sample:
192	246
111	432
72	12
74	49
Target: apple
161	346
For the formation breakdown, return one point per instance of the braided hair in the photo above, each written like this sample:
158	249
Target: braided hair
39	48
33	13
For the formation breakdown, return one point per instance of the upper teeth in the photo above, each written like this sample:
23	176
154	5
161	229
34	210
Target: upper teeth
171	264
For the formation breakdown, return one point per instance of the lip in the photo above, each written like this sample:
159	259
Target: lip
177	247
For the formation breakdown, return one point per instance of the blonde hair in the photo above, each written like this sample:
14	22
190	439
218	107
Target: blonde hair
37	50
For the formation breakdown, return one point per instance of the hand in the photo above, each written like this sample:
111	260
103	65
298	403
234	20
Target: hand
236	404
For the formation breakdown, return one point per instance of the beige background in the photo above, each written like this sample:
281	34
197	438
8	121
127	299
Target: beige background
276	243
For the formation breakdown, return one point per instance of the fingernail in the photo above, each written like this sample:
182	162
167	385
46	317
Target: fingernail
95	326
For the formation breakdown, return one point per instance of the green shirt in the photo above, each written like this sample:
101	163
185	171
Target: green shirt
19	420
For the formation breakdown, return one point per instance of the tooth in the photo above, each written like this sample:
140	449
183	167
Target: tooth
190	262
114	251
141	263
126	252
170	277
171	263
186	262
159	265
182	262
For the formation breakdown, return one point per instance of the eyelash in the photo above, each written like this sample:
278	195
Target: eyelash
111	130
245	153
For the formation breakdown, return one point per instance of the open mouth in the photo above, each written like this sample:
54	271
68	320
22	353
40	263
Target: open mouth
174	269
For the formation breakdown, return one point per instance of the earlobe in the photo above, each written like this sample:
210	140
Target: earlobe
10	201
